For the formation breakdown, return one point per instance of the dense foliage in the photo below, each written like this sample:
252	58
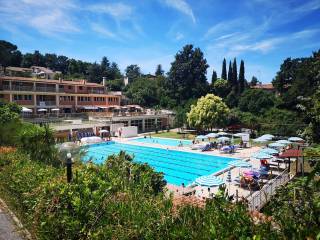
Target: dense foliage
118	200
187	76
209	112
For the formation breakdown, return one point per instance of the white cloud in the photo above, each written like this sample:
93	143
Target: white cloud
179	36
119	11
102	30
182	6
47	17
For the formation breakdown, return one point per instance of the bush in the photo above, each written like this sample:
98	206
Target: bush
118	200
39	143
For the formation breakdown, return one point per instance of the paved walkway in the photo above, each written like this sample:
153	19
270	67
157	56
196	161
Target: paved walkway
8	230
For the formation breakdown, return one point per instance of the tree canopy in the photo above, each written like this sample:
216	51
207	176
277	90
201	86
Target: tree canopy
209	112
187	75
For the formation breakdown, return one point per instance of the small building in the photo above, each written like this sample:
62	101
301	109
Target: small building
264	86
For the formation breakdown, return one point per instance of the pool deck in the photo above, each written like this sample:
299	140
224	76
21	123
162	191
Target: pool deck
205	192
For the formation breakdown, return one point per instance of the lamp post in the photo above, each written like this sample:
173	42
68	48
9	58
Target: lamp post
69	167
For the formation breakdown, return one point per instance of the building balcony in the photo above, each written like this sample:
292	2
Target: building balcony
17	88
46	103
45	89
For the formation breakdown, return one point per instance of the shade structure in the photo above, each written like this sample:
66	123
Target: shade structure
223	133
209	181
276	145
240	164
286	142
296	139
201	137
104	131
269	151
261	140
55	109
42	110
261	155
223	139
212	135
24	109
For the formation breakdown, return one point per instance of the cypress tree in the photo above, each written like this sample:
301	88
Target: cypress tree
230	75
214	77
224	70
241	77
234	76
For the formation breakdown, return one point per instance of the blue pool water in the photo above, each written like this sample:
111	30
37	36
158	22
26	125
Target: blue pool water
163	141
178	167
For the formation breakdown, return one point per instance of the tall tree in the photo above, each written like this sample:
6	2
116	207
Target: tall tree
38	59
254	81
105	67
132	72
230	75
241	77
114	71
234	76
159	70
94	73
7	51
224	70
214	77
187	75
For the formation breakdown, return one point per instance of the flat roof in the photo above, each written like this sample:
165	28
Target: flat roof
48	81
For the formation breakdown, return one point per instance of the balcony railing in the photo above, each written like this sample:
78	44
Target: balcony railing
17	88
46	103
45	89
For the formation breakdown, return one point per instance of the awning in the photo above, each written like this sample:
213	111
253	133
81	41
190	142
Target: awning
55	109
42	110
24	109
90	107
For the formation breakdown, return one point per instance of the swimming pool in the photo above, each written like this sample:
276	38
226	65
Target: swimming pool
178	166
163	141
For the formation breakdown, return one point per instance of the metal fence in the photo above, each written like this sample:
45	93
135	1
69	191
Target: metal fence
258	199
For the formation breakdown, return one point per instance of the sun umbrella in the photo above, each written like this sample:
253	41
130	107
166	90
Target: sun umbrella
201	137
223	133
276	145
239	134
295	139
104	131
209	181
286	142
240	164
55	109
228	177
212	135
223	139
24	109
261	140
42	110
269	151
267	136
261	155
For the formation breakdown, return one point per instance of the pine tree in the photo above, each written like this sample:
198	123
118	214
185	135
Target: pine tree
214	77
224	70
159	71
230	75
241	77
234	76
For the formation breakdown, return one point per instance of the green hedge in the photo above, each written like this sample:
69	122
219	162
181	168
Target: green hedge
118	200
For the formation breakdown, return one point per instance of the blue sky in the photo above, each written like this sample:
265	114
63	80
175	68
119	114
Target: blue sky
148	32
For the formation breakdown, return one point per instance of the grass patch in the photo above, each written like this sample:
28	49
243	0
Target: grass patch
174	135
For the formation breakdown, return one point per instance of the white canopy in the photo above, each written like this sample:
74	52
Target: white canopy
93	139
55	109
104	131
90	107
42	110
24	109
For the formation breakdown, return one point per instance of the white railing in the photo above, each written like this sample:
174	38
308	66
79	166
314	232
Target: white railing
258	199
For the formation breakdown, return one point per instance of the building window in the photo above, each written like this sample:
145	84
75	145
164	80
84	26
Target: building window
69	87
80	88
